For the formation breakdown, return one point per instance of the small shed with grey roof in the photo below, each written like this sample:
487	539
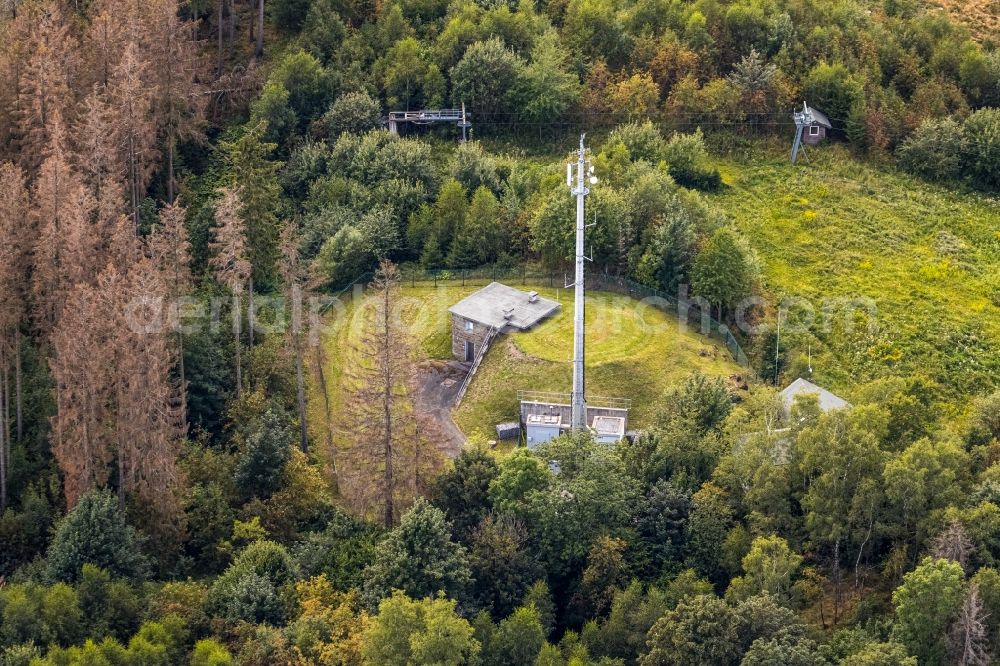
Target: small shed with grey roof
816	130
828	402
496	308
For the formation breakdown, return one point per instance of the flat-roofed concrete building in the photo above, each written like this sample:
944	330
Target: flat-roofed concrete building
547	415
496	308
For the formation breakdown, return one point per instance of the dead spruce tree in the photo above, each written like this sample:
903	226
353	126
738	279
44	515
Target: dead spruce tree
379	414
14	243
968	640
229	261
171	250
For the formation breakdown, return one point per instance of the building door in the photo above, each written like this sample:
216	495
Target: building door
470	351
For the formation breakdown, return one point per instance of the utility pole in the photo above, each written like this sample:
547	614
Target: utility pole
584	171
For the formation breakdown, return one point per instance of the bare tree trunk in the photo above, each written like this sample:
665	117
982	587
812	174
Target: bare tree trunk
387	409
260	28
236	335
232	29
300	384
301	389
170	165
18	397
183	378
250	313
121	477
861	550
4	437
416	457
836	581
328	413
221	5
133	168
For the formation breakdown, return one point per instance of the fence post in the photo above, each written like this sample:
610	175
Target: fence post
463	277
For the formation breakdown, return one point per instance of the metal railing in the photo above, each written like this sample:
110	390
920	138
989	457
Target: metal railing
555	398
484	346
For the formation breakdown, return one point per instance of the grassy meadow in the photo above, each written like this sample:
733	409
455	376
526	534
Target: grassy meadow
836	229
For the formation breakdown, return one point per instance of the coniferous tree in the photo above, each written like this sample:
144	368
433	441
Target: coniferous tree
255	175
170	248
149	420
229	260
44	93
178	99
94	532
418	557
131	97
378	403
82	436
14	239
64	252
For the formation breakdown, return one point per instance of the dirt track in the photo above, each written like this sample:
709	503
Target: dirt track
437	384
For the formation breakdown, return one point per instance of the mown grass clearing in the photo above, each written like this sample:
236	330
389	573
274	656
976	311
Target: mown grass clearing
633	352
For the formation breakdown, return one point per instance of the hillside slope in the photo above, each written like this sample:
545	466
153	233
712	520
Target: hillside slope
929	258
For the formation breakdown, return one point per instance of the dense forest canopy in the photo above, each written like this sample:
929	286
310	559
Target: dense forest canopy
177	178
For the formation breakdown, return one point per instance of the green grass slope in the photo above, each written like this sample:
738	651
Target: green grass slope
633	352
928	257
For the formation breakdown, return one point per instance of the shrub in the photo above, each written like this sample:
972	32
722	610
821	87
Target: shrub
724	271
934	150
982	141
428	631
643	141
19	655
307	84
289	14
209	652
323	30
688	162
475	168
355	112
418	557
832	89
95	531
340	551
